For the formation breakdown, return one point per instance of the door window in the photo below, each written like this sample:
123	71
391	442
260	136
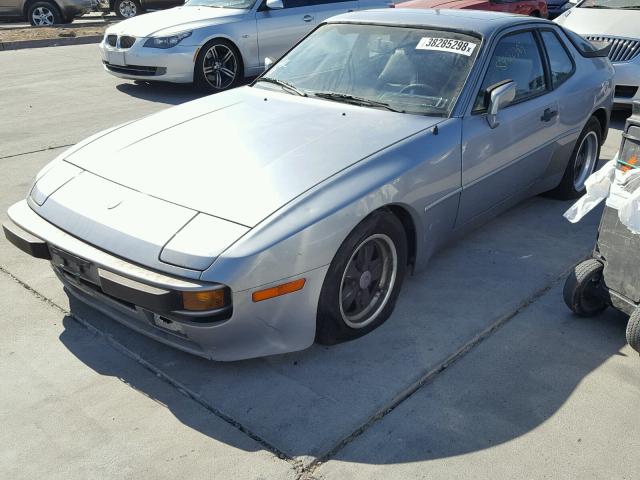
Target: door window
559	60
516	57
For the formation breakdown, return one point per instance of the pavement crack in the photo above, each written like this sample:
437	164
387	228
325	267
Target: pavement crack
54	147
310	470
296	465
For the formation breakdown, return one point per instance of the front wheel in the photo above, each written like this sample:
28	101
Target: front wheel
633	330
218	66
44	13
363	280
127	8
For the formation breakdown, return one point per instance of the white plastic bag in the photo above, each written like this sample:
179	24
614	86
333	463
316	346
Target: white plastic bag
598	185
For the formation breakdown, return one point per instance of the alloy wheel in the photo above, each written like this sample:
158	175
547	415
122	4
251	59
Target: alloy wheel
42	16
128	8
220	66
368	280
586	159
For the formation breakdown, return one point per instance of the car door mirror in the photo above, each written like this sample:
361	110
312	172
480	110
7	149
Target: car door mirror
275	4
500	96
268	61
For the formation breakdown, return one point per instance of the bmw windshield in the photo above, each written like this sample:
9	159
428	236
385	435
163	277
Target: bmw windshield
611	4
408	70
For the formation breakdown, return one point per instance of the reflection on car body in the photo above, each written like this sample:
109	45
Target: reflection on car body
262	219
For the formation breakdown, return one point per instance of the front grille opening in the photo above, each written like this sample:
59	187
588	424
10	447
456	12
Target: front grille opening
126	41
625	91
112	40
622	49
139	70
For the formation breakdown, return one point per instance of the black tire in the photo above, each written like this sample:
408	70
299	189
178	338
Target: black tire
41	13
582	290
331	324
205	60
633	330
566	190
127	8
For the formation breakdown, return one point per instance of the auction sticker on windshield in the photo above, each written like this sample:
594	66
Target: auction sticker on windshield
450	45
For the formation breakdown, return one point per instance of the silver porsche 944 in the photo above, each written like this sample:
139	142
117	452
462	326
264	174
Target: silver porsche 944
262	219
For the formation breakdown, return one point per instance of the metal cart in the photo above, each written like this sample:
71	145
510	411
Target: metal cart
611	277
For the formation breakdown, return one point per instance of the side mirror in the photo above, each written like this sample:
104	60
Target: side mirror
268	61
501	95
275	4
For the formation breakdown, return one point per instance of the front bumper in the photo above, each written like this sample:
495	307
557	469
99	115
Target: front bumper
141	63
144	300
627	82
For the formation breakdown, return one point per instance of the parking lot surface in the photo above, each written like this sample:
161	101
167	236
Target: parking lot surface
481	372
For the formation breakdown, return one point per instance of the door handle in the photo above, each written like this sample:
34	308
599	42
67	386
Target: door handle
548	115
307	18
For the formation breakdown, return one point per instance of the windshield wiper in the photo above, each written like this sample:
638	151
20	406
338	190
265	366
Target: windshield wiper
353	100
285	85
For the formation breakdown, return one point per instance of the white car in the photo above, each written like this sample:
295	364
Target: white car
215	43
614	22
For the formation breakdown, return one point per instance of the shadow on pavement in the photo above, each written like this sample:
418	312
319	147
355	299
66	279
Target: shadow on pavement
169	93
163	92
305	403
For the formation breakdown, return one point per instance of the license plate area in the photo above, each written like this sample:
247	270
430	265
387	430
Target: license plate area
116	58
74	266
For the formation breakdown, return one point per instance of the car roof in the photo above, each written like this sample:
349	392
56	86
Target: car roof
483	22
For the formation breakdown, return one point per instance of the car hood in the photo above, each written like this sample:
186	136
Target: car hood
174	20
242	154
585	21
441	4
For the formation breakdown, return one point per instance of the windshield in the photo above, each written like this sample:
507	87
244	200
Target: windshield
221	3
408	70
611	4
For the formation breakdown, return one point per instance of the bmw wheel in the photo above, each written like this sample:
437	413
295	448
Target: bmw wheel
218	66
363	280
127	8
44	13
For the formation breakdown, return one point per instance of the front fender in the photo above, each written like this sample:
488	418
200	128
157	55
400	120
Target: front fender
415	173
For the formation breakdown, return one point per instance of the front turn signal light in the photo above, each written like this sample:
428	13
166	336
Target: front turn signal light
278	290
207	300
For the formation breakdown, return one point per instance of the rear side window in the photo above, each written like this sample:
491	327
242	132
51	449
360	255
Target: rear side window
516	57
559	60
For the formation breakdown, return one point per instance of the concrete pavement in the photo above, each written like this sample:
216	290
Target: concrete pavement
523	371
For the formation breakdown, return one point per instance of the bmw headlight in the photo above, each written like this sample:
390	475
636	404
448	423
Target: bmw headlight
166	42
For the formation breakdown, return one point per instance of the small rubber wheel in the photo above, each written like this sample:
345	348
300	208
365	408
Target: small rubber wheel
43	14
218	66
127	8
363	281
583	162
633	330
582	289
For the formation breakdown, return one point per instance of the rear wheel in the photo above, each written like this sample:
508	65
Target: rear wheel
43	14
363	280
582	163
582	290
218	66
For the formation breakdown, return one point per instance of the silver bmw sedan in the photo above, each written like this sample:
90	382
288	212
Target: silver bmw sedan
262	219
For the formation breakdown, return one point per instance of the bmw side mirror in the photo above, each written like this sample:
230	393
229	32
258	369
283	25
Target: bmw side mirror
268	61
275	4
500	95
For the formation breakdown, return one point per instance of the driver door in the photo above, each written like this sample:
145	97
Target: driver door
499	163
